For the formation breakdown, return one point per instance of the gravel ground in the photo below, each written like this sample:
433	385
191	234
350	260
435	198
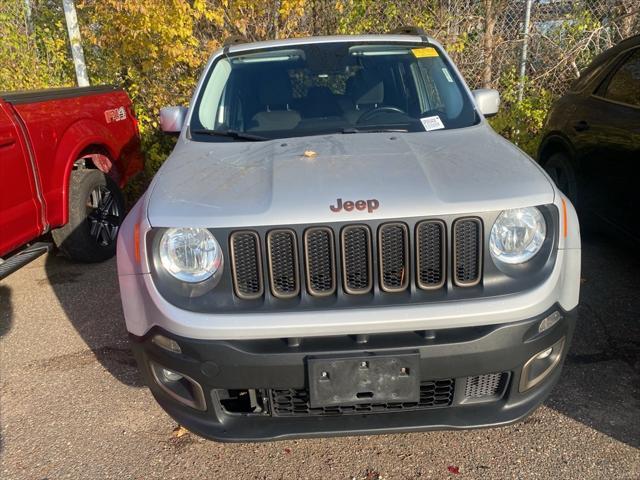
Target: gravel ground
72	404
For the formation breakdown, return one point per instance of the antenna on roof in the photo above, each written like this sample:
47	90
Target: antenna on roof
409	30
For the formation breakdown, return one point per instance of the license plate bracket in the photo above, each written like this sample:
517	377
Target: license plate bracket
360	380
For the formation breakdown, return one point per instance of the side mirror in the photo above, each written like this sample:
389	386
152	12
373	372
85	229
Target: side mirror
487	100
172	119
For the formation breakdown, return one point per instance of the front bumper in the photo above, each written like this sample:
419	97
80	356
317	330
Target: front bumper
267	365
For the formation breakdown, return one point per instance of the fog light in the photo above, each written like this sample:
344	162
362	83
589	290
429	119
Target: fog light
166	343
179	386
544	354
170	375
540	365
549	322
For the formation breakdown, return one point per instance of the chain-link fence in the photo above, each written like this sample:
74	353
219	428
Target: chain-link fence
566	35
487	38
547	41
34	49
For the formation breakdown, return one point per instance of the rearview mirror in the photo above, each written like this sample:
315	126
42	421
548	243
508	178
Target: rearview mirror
487	100
172	119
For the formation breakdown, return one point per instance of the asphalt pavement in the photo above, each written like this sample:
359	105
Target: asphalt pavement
72	404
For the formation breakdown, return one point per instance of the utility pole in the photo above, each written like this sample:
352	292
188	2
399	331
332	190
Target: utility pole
525	45
27	17
76	44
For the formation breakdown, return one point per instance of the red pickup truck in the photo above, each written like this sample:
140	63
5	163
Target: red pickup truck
65	154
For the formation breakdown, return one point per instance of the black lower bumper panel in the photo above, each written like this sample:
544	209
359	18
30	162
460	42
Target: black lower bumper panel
260	389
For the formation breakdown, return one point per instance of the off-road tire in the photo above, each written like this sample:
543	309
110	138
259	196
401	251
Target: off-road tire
96	211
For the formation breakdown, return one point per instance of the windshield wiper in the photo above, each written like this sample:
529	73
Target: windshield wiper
232	134
373	130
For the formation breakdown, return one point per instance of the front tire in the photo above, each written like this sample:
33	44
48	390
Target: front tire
96	211
561	170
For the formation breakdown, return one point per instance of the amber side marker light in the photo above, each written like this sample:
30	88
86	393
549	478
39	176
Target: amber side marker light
136	242
564	218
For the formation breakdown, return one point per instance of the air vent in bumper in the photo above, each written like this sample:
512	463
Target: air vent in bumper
295	402
487	387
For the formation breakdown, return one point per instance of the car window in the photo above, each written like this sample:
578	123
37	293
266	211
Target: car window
211	110
331	88
624	85
587	76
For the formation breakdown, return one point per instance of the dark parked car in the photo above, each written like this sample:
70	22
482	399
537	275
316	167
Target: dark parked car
591	146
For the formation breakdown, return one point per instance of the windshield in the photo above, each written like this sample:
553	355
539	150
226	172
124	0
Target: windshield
329	88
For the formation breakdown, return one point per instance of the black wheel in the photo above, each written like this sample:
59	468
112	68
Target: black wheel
96	211
561	171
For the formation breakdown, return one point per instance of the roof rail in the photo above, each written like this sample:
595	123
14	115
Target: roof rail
409	30
234	40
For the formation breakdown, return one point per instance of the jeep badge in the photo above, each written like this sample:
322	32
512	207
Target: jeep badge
348	206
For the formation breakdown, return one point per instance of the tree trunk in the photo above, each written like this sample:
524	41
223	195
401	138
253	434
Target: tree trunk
324	17
626	24
488	43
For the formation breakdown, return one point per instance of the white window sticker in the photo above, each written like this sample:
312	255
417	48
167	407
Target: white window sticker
447	75
432	123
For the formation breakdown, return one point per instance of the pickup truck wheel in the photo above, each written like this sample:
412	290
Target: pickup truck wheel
96	210
561	171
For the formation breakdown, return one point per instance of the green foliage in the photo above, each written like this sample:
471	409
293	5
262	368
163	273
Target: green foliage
34	50
571	32
373	16
521	122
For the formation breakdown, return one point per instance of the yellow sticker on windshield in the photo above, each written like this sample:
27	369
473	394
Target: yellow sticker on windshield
425	52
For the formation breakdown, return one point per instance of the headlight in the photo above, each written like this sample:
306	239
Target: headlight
190	254
517	235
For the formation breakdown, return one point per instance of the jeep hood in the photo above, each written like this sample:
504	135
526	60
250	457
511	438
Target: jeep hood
229	184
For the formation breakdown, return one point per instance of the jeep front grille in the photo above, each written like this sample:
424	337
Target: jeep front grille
356	259
340	259
430	256
283	263
320	261
393	245
246	264
467	251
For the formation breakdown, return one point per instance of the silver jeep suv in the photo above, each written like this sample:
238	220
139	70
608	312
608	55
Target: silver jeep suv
340	243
